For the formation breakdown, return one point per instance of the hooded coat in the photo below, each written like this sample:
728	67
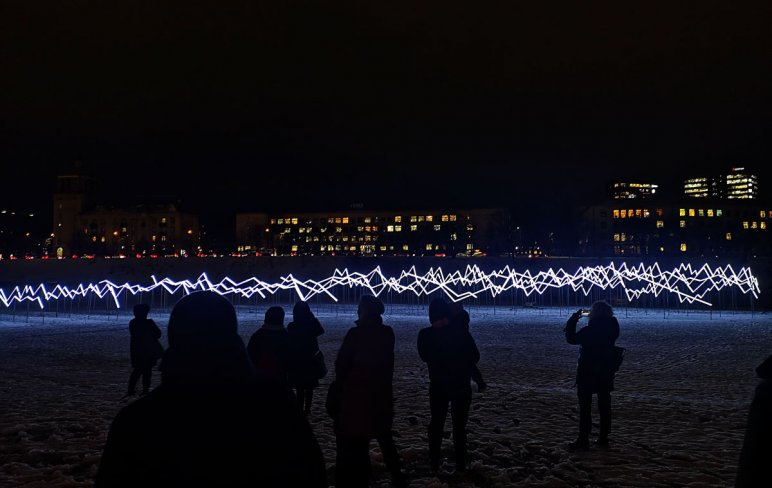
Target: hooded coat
209	423
597	340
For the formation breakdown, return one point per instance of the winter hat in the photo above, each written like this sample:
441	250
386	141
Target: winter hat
301	311
371	306
438	309
274	316
201	319
141	310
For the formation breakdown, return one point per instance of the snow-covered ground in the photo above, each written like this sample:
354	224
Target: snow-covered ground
679	409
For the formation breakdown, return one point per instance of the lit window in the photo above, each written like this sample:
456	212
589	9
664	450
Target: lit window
754	225
163	220
405	247
368	228
353	248
420	218
295	248
345	220
398	218
397	228
701	212
430	218
646	213
623	214
681	212
469	227
413	218
273	221
382	248
660	224
338	229
444	218
763	225
691	212
719	213
436	226
453	237
623	237
163	238
452	218
616	237
428	247
368	220
338	220
638	213
682	223
763	214
280	221
616	214
710	212
152	238
413	227
683	247
745	225
660	212
295	221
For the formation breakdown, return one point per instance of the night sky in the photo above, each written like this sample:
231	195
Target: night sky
310	105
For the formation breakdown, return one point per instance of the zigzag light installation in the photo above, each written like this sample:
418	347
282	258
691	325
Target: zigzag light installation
687	284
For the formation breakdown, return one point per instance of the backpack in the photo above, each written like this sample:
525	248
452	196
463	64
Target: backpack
616	356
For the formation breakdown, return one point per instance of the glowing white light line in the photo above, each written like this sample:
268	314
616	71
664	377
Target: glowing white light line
684	282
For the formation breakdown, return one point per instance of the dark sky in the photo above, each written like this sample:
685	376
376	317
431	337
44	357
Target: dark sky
256	105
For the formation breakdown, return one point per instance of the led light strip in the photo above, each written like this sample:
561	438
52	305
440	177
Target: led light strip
684	282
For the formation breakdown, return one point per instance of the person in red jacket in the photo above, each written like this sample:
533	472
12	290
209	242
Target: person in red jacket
364	369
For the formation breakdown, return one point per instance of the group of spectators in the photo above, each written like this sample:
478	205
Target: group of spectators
226	415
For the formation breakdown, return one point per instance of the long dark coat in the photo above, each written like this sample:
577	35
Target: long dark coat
597	341
365	369
303	345
144	347
451	355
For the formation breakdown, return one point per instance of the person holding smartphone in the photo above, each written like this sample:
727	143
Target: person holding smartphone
594	372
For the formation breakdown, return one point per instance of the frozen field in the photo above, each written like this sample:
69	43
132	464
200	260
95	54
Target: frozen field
679	409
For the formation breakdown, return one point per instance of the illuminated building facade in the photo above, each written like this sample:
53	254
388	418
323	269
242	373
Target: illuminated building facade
687	229
626	190
360	232
737	184
80	227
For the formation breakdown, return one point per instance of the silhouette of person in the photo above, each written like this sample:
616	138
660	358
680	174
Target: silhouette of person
268	348
364	369
145	349
303	348
460	318
451	355
754	469
209	423
593	375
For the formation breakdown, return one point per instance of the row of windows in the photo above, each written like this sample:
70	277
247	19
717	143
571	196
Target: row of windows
368	228
623	237
371	248
682	212
366	220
